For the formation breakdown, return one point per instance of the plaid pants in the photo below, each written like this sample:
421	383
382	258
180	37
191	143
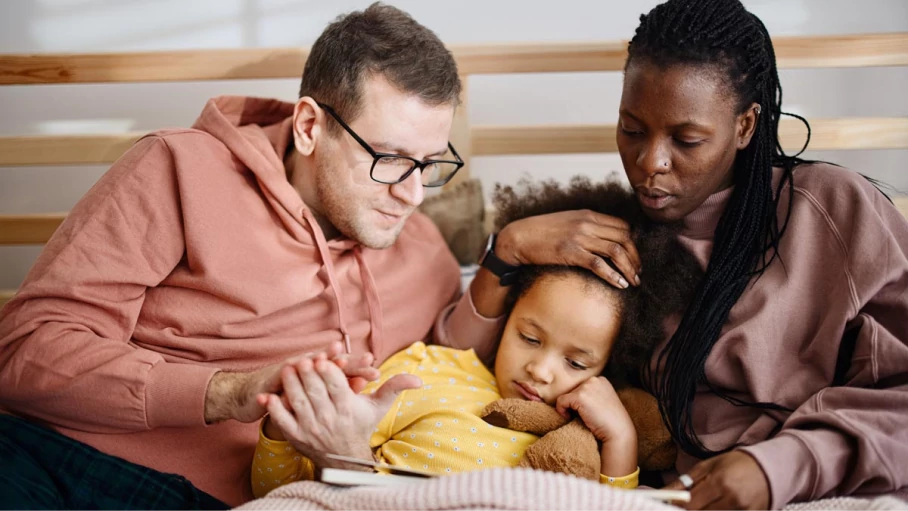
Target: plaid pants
42	469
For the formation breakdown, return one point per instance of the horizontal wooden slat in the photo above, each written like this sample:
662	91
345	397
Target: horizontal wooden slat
28	229
164	66
549	139
250	63
6	295
37	229
64	149
826	134
844	133
902	204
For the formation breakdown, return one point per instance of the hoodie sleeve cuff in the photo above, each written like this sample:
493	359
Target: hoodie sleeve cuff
790	466
460	326
175	395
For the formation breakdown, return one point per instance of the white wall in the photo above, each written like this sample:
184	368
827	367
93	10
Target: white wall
130	25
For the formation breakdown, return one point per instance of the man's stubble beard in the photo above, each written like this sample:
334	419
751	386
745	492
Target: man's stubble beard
347	218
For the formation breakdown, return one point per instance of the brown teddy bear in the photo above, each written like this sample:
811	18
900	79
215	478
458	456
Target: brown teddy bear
568	446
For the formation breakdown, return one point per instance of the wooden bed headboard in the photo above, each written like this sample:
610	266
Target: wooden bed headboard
842	133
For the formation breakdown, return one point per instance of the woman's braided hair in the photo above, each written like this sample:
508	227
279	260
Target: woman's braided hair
721	36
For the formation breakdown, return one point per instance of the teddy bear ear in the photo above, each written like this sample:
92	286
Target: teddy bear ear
521	415
497	418
499	413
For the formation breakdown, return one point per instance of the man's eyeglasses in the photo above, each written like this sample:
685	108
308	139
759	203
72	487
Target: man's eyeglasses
390	168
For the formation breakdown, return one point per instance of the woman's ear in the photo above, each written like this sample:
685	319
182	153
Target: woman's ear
307	126
747	125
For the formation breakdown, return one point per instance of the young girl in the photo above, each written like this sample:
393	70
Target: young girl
565	327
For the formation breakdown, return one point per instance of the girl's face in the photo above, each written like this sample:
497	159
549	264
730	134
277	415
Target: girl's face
678	134
559	334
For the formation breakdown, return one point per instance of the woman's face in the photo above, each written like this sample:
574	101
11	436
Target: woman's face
678	134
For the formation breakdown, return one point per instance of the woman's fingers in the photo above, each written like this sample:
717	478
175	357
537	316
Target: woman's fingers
615	243
578	238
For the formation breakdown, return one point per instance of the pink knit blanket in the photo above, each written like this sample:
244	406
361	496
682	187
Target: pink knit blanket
504	488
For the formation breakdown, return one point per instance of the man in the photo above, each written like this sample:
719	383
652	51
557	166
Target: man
207	257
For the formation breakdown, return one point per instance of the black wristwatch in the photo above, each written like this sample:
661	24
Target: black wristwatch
505	272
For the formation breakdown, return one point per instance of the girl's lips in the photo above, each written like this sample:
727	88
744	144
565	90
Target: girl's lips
528	392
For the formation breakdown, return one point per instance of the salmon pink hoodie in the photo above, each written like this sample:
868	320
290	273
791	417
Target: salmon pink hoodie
194	254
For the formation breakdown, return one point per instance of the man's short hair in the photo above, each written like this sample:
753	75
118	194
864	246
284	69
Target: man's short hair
381	40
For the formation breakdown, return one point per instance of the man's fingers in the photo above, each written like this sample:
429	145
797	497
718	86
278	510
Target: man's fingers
336	384
314	387
386	394
268	379
294	393
366	373
262	399
334	349
281	417
357	384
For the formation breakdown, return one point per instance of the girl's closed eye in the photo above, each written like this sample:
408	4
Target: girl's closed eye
576	365
527	339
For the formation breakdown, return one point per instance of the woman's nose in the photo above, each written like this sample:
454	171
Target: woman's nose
654	158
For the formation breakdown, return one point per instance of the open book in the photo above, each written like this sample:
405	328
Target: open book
389	475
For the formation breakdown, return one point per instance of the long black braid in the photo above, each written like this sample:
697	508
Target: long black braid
723	36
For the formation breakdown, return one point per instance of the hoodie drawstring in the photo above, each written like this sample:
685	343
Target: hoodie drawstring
372	298
369	288
322	244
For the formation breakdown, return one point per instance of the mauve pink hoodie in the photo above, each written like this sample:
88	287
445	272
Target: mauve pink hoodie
191	255
845	269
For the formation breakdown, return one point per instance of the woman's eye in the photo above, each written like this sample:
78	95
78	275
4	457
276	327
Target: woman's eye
629	132
686	143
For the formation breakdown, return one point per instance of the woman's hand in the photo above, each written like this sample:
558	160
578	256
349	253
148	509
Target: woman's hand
573	238
598	406
733	480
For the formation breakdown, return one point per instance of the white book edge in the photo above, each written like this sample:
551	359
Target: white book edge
341	477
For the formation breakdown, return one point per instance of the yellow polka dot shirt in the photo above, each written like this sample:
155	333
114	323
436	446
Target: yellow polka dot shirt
435	428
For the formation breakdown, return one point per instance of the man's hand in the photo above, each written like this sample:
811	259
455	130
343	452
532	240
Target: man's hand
597	404
325	416
733	480
233	395
573	238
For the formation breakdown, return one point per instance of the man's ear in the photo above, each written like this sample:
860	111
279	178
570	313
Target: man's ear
747	125
307	125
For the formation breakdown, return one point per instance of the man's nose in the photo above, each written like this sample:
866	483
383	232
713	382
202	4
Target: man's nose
410	191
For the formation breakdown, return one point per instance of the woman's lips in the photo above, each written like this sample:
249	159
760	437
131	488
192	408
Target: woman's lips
653	198
528	392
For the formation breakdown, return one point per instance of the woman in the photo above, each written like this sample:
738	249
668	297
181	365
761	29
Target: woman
785	380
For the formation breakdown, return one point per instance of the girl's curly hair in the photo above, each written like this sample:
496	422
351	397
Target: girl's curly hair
670	271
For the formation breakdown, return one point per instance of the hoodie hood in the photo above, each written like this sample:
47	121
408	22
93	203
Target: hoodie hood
258	132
